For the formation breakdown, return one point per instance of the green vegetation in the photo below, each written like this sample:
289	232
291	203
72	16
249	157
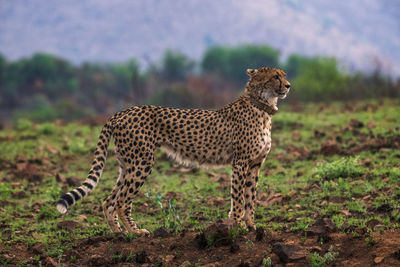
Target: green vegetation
231	63
38	162
320	79
45	87
343	167
320	261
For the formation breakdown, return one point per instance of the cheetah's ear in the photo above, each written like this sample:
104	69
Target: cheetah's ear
251	72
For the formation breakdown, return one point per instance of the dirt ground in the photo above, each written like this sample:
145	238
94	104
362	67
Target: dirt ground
192	249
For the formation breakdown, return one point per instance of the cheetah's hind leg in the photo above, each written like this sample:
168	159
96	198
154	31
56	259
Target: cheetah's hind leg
135	177
110	204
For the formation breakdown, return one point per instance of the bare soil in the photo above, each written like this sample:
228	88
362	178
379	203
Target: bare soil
284	249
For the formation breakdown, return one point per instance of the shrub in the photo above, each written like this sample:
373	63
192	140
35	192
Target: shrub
343	167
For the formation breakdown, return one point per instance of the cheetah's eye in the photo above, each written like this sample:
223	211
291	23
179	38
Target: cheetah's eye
276	77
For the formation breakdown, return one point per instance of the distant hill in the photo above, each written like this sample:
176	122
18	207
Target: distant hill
361	33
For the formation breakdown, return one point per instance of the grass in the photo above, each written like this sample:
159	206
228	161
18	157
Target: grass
342	167
349	189
319	261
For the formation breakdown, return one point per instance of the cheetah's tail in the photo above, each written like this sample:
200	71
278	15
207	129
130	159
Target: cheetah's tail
95	172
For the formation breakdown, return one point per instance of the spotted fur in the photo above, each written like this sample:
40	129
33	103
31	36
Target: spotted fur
238	134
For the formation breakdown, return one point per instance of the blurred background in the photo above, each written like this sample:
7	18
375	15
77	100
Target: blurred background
73	59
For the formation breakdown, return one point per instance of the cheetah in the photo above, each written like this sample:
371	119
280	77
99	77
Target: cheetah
238	134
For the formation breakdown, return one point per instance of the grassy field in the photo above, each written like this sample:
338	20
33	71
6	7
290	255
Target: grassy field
339	161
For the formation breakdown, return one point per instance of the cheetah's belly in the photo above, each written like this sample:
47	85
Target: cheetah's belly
211	158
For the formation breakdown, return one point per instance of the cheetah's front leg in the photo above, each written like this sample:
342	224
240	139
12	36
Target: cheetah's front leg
237	188
250	192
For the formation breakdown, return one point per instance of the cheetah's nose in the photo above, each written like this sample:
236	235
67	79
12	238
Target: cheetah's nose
287	85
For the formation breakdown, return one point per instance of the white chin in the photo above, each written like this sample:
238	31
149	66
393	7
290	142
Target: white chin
282	96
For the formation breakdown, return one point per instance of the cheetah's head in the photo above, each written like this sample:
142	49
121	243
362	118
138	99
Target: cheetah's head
267	85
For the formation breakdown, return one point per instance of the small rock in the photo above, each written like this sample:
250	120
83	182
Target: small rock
361	231
39	248
51	149
366	197
96	259
270	200
35	178
371	125
68	225
321	227
372	223
316	248
384	208
19	194
259	234
289	252
141	257
15	184
168	259
185	264
50	262
213	264
319	134
378	260
161	232
219	233
296	135
201	240
396	254
330	148
356	123
234	248
292	193
82	217
215	201
346	212
46	161
7	234
379	227
315	230
337	199
61	178
73	181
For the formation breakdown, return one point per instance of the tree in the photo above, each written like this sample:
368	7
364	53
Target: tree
3	64
47	73
231	63
126	78
294	64
320	79
175	66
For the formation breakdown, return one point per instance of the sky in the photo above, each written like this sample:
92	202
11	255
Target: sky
362	34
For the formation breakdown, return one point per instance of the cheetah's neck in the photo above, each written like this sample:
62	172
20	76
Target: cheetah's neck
270	107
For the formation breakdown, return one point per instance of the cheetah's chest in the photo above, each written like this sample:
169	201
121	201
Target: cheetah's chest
264	137
265	141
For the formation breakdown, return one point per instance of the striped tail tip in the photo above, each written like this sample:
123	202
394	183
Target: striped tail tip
62	206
